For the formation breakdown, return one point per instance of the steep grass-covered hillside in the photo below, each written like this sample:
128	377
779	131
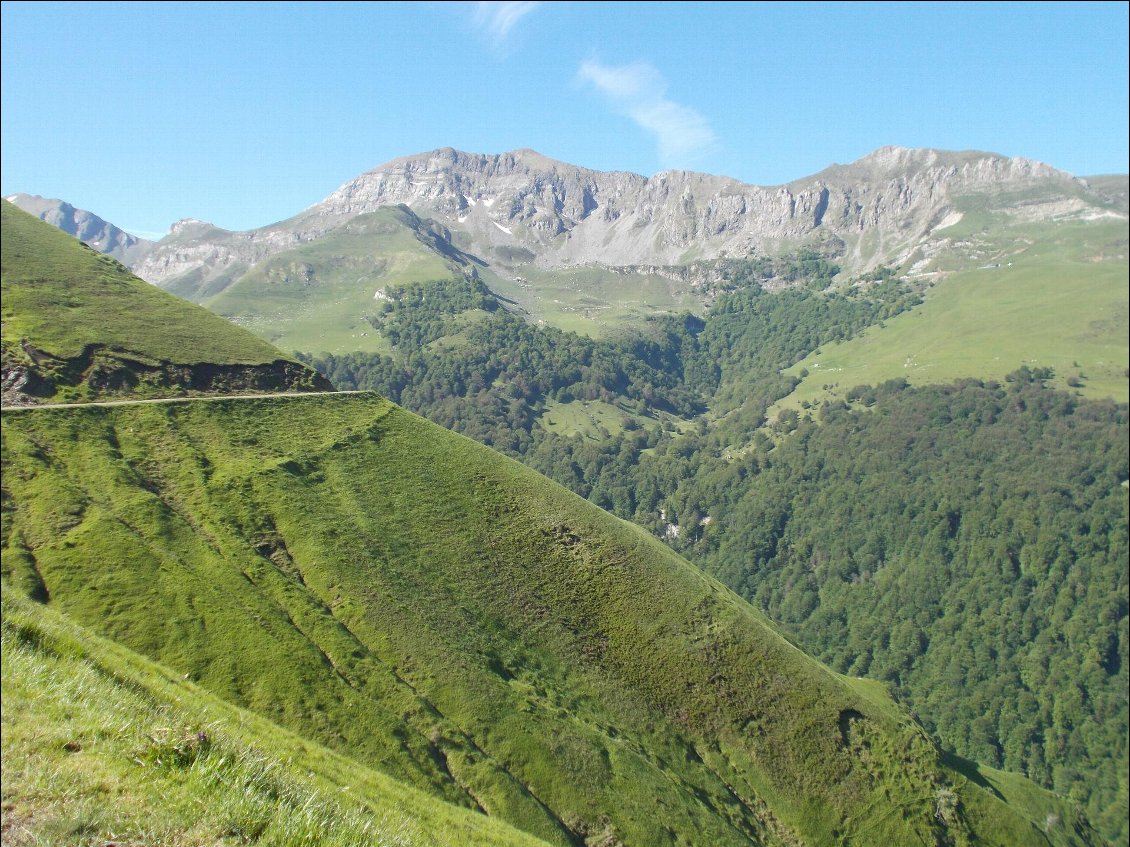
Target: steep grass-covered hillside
77	326
420	604
101	745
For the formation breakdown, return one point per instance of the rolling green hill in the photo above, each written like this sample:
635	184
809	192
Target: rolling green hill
418	603
1047	295
77	325
318	296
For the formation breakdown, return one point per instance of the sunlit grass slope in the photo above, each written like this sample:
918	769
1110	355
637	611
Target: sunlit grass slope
62	296
409	598
70	314
316	297
1058	300
593	300
103	746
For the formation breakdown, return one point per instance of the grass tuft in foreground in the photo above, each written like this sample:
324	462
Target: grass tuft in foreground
101	746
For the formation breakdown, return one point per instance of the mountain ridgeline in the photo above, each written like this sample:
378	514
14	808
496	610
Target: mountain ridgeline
87	227
597	253
890	207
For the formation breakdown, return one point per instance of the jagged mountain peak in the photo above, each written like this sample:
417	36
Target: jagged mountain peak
523	159
886	161
187	227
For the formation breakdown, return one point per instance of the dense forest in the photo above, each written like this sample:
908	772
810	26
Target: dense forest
965	543
968	545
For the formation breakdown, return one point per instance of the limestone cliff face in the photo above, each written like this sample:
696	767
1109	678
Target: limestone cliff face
566	215
86	226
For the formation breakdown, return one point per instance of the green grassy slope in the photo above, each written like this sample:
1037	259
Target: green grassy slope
407	597
82	325
316	297
101	745
1058	298
592	300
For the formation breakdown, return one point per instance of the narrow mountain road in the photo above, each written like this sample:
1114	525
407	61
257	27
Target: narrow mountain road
205	398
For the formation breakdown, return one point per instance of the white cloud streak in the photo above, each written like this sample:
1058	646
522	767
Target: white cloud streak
497	19
639	91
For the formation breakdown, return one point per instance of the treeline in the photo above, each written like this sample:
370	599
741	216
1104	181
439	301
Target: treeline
491	373
751	335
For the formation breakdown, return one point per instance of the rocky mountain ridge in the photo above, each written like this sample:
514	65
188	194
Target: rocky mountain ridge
882	209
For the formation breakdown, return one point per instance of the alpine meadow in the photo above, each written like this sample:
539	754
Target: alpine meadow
496	500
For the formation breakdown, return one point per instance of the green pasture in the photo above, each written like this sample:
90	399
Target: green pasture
1059	301
591	300
317	297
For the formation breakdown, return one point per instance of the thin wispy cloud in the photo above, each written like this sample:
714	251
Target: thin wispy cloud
497	19
639	91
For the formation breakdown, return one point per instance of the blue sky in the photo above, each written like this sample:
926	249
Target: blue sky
244	114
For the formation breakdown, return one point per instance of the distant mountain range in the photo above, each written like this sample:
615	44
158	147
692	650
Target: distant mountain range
590	250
